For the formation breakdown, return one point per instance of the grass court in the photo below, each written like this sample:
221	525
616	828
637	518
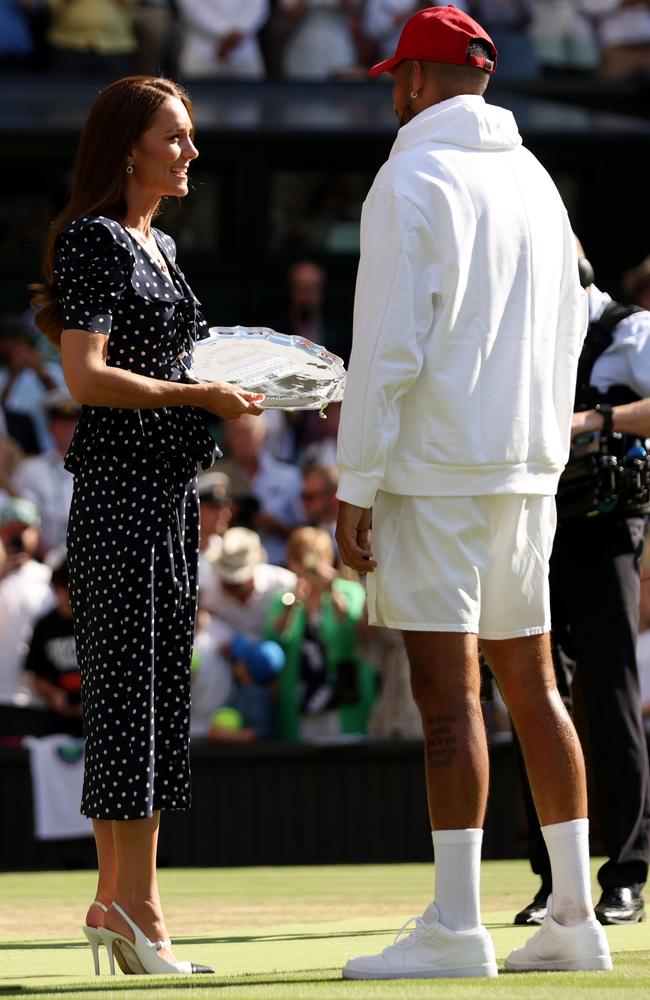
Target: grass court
276	933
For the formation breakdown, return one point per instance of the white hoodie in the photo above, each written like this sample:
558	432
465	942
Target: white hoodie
468	317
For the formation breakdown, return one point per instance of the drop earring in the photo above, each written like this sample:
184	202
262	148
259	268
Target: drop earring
129	168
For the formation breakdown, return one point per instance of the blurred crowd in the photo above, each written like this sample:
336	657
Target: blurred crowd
308	39
283	649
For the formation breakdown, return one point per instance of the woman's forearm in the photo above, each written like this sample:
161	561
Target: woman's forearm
115	387
92	382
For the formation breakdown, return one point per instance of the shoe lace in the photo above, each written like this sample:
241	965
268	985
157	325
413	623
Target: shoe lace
420	927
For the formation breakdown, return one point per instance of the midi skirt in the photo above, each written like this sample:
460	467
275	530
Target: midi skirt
133	540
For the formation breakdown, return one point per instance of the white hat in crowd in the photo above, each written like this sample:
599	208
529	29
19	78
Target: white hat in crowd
241	551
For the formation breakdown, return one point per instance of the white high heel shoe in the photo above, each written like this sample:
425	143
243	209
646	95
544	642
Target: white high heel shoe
141	956
94	937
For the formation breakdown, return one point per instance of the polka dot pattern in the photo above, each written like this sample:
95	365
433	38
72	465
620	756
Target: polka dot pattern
133	540
133	532
109	284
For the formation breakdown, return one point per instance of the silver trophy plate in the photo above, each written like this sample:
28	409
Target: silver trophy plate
293	373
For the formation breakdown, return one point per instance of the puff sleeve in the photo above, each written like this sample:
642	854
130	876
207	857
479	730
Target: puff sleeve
91	270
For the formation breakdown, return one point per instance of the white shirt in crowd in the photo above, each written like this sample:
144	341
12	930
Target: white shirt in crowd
250	618
468	317
277	487
26	396
618	23
43	480
206	23
627	360
321	45
211	674
380	21
25	595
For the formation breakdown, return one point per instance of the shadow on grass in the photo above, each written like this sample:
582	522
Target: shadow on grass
227	939
136	984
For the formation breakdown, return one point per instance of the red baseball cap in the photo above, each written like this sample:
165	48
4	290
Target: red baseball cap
439	34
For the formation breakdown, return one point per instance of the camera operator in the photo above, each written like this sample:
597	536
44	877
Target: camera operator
594	583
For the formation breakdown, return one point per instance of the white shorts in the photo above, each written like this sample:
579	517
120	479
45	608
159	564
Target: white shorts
462	564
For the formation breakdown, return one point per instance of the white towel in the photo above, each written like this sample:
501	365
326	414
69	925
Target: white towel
57	766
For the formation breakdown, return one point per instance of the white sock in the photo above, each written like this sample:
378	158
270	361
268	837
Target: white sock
568	849
458	877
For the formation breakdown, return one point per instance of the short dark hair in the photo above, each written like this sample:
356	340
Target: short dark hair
454	80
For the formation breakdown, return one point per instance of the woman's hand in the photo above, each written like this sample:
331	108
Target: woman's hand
227	401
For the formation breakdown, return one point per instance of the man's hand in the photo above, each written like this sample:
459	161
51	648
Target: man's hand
353	537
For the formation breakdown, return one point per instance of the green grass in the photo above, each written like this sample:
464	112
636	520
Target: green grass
284	933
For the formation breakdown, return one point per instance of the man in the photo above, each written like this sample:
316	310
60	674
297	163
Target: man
595	594
245	583
468	323
306	313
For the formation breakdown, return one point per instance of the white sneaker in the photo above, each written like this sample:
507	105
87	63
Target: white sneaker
563	947
431	951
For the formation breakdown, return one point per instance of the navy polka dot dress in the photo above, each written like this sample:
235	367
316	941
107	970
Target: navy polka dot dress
133	533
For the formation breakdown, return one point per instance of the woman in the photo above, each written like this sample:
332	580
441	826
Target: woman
123	313
325	689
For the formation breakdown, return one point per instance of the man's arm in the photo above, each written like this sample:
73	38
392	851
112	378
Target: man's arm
393	312
630	418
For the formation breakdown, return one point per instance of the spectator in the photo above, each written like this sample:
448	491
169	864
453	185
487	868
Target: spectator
43	479
245	583
219	37
265	492
509	22
623	30
636	284
52	659
325	690
319	485
321	44
92	37
211	671
255	666
232	685
563	36
384	20
152	24
24	595
305	315
215	517
25	378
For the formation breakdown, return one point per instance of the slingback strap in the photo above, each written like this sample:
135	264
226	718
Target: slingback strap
155	945
101	906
